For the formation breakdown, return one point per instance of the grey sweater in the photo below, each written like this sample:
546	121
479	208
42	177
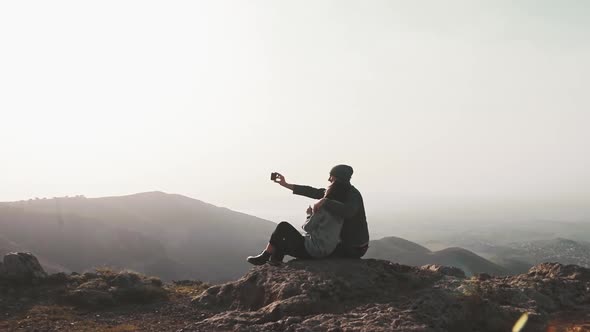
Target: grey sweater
323	233
355	232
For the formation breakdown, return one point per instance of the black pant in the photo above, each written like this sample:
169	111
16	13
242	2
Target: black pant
286	240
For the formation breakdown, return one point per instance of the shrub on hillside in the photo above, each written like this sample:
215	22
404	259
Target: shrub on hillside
107	287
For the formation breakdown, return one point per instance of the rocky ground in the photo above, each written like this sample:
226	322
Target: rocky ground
102	300
325	295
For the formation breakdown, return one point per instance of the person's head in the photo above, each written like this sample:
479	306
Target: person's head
338	190
340	172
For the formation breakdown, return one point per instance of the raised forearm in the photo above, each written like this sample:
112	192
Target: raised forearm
287	185
308	191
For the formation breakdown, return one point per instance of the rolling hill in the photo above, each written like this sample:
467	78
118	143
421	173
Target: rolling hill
168	235
564	251
171	236
406	252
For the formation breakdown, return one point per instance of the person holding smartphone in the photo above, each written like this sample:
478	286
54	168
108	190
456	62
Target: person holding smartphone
343	202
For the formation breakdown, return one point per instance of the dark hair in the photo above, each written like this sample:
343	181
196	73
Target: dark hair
338	190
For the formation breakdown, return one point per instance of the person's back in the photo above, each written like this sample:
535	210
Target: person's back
355	231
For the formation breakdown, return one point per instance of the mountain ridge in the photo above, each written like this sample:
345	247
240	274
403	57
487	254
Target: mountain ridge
407	252
182	236
179	230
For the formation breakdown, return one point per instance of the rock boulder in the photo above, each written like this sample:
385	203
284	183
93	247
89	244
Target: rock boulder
377	295
22	267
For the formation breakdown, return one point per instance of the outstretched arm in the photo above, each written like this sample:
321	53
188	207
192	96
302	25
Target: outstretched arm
308	191
300	190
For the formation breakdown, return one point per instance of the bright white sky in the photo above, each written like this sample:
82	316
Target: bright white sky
427	100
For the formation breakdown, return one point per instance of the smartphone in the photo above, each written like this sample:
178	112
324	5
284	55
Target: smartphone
273	176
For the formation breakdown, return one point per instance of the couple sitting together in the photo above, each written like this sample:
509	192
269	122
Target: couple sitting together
336	226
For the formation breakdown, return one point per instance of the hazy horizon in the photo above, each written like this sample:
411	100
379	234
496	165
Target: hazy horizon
436	222
434	106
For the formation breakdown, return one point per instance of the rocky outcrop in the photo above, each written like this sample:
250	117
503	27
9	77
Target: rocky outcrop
446	270
546	288
376	295
314	295
22	277
308	287
21	267
559	271
106	288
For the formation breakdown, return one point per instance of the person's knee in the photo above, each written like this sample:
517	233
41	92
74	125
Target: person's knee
280	229
283	224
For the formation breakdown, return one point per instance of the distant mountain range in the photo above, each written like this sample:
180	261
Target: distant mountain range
519	256
177	237
407	252
168	235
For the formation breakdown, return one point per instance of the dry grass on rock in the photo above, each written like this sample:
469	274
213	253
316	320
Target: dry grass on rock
107	287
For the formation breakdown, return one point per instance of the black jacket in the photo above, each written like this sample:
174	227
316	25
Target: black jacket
355	232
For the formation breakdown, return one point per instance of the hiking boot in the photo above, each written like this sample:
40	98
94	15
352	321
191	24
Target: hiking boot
262	258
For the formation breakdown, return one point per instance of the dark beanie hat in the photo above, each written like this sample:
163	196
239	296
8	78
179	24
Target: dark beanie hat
342	172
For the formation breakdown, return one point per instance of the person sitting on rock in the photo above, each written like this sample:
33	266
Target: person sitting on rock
354	235
322	232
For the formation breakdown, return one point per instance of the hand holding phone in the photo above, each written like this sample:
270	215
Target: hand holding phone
273	176
280	179
277	177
